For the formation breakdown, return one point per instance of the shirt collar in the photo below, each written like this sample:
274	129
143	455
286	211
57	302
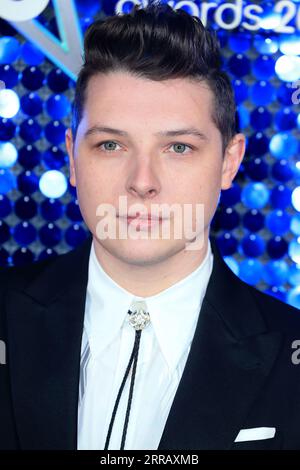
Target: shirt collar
173	312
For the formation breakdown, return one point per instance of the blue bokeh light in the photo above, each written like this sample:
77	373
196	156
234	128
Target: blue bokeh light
266	45
58	106
31	54
7	181
283	145
251	271
276	272
31	104
263	67
255	195
9	49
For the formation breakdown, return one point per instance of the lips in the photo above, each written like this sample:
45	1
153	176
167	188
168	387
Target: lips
141	217
149	218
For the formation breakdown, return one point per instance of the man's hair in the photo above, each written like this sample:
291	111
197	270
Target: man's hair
157	43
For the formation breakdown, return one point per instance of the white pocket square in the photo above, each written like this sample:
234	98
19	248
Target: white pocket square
255	434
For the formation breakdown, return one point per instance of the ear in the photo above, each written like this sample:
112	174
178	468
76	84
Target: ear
234	154
70	150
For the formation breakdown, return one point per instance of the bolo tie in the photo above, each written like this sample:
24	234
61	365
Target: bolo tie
138	317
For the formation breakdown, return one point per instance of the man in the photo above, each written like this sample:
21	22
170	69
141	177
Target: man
153	123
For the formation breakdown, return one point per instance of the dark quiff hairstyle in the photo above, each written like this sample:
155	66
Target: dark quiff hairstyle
157	43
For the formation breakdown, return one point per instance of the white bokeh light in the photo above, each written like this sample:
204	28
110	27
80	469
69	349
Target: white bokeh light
294	250
8	154
53	184
9	103
296	198
287	68
290	44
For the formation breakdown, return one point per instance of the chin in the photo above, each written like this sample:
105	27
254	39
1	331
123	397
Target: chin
145	252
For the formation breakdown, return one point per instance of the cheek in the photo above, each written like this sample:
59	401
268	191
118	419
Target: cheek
204	189
94	188
86	176
205	183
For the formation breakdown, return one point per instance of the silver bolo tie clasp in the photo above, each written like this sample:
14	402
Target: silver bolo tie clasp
138	315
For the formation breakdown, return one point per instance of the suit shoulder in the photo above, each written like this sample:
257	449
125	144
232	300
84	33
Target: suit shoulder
51	274
276	313
19	276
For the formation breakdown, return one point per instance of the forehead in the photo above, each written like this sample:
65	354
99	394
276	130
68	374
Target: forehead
120	93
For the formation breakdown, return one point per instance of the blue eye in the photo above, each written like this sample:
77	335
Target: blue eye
180	145
107	142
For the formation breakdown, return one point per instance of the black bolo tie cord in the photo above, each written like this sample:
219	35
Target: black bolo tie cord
133	358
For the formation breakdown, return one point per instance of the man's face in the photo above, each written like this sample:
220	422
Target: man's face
146	167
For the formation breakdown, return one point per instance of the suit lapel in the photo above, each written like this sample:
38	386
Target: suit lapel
44	352
230	358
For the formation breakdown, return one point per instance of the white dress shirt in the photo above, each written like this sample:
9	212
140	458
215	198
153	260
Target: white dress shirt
107	344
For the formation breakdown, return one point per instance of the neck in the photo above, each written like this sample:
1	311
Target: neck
150	279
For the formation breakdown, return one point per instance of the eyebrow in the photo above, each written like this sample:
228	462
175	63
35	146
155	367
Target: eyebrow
169	133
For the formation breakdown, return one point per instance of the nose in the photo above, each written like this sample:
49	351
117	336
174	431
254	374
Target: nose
143	180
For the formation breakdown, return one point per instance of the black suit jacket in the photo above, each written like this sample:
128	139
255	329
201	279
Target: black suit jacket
239	373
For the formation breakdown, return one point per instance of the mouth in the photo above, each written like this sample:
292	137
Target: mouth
141	217
141	220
